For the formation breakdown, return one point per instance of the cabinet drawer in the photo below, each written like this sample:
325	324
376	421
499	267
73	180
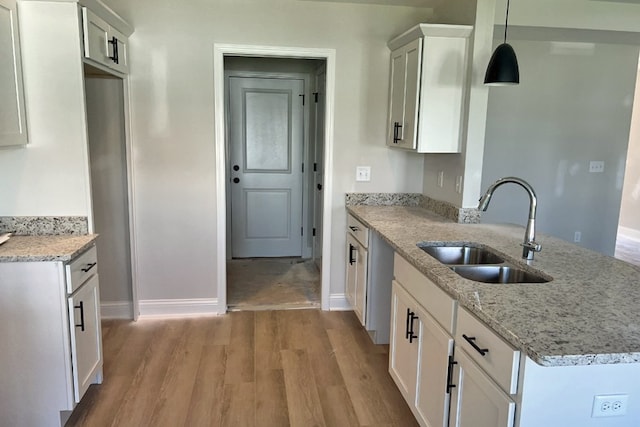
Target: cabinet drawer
436	301
358	230
500	360
81	268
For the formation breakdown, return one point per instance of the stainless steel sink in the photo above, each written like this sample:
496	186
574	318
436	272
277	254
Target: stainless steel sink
464	254
497	274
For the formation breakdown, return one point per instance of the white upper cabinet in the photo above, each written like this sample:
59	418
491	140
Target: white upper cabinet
13	124
429	66
103	44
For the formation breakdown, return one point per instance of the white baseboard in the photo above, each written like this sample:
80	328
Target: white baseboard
180	307
629	233
116	310
338	302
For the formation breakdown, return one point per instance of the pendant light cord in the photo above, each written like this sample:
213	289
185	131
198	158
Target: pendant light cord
506	23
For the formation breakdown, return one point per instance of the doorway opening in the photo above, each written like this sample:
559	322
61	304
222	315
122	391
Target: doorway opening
273	110
628	237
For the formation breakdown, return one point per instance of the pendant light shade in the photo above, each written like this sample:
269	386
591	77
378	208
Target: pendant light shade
503	65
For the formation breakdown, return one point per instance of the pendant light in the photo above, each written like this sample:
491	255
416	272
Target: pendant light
503	65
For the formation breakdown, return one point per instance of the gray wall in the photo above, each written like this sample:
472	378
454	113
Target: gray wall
573	105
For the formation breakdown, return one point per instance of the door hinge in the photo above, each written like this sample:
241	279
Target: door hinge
313	232
301	231
303	168
315	97
315	167
302	95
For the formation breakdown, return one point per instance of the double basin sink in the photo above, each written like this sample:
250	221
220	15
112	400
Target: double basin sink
478	263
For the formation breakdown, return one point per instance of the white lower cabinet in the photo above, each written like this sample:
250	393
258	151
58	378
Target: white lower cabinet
420	348
477	401
50	340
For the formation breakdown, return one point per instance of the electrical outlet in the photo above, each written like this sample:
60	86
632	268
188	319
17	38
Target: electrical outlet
596	166
612	405
441	179
577	236
363	173
459	184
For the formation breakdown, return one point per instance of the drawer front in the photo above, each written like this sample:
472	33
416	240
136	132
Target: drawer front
500	360
436	302
358	230
81	268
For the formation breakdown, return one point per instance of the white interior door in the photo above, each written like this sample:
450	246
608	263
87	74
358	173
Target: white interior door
266	145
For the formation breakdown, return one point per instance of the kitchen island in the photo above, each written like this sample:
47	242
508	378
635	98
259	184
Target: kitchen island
579	332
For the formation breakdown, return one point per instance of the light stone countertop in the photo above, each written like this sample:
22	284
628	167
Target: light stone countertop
44	248
588	314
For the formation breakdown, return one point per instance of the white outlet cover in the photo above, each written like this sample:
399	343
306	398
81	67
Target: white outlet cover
610	405
363	173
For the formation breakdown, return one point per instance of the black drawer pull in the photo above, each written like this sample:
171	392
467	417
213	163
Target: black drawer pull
472	342
353	228
89	267
351	257
450	375
114	43
396	131
81	307
410	334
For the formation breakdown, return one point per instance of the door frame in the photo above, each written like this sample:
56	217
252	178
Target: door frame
220	50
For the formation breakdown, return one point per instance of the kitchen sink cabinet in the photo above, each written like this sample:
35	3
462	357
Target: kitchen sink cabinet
420	349
428	75
369	270
50	342
13	123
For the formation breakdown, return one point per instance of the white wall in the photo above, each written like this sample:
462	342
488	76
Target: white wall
630	207
50	175
172	111
573	105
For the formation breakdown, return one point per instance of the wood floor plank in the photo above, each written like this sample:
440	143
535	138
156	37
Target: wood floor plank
271	399
322	359
241	349
337	407
238	405
292	331
206	404
303	401
267	343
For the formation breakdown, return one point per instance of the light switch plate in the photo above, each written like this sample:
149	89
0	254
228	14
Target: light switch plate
363	173
596	166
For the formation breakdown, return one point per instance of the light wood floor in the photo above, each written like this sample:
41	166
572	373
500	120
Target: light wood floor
248	368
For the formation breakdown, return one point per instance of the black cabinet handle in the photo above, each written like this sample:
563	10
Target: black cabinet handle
409	334
450	375
81	307
472	342
114	42
351	257
396	132
353	228
89	267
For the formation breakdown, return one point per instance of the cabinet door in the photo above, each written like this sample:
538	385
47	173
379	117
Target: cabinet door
356	281
403	352
13	124
86	348
477	401
96	38
432	393
120	59
404	95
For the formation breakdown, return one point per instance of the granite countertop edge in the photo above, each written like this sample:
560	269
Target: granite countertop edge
543	350
45	248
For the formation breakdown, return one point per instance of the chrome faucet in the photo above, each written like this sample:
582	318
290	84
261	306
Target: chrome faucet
529	247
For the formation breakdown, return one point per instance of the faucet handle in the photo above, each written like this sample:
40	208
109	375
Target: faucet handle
533	245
